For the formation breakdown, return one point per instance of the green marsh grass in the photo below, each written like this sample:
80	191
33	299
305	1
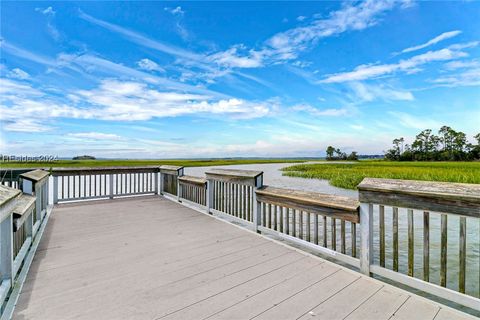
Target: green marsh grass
349	175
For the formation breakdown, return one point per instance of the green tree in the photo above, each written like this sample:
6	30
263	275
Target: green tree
330	151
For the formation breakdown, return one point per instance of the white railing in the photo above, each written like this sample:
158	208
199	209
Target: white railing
23	215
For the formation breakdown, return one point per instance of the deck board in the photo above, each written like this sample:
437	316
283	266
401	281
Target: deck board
151	258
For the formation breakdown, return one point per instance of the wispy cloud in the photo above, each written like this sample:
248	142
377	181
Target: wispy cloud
320	112
95	136
410	121
437	39
147	64
369	71
369	93
18	73
49	13
141	39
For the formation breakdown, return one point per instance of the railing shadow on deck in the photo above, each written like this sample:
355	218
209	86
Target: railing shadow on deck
395	230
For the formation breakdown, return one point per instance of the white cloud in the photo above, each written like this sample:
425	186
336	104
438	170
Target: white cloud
372	92
178	10
437	39
143	40
352	16
95	136
117	100
301	18
410	121
47	11
26	125
453	65
147	64
468	77
17	73
320	112
364	72
231	58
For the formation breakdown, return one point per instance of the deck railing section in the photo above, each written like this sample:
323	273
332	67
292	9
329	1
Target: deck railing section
169	179
22	213
413	222
232	193
94	183
322	222
193	189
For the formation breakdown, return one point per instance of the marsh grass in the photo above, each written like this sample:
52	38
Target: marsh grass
349	175
126	163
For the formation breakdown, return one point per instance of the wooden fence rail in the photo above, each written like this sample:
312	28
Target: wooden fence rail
421	212
193	189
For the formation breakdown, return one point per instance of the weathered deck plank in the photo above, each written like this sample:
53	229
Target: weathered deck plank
150	258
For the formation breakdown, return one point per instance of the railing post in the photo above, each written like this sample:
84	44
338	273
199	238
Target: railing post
8	201
55	189
366	237
256	204
38	202
161	182
155	178
180	173
6	249
111	186
209	195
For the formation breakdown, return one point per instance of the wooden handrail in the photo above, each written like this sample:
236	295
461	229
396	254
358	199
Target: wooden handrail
201	182
102	170
334	206
446	197
247	177
173	170
6	195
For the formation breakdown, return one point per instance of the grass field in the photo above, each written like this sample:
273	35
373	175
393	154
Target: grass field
348	176
123	163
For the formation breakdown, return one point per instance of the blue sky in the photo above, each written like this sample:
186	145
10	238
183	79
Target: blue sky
222	79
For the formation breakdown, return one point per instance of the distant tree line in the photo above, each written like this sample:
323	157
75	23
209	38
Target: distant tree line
448	145
337	154
84	157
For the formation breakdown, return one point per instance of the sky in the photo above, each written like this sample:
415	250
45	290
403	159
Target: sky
234	79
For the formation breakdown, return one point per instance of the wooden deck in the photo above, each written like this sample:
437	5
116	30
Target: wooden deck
151	258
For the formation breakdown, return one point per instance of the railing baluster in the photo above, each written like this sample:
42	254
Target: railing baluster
426	246
342	236
334	233
307	226
325	231
462	254
411	241
287	220
382	234
353	227
443	251
294	222
280	219
395	238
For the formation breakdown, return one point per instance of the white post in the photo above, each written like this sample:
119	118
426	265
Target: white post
257	205
55	189
366	237
180	173
6	249
209	195
38	202
161	182
155	178
111	186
